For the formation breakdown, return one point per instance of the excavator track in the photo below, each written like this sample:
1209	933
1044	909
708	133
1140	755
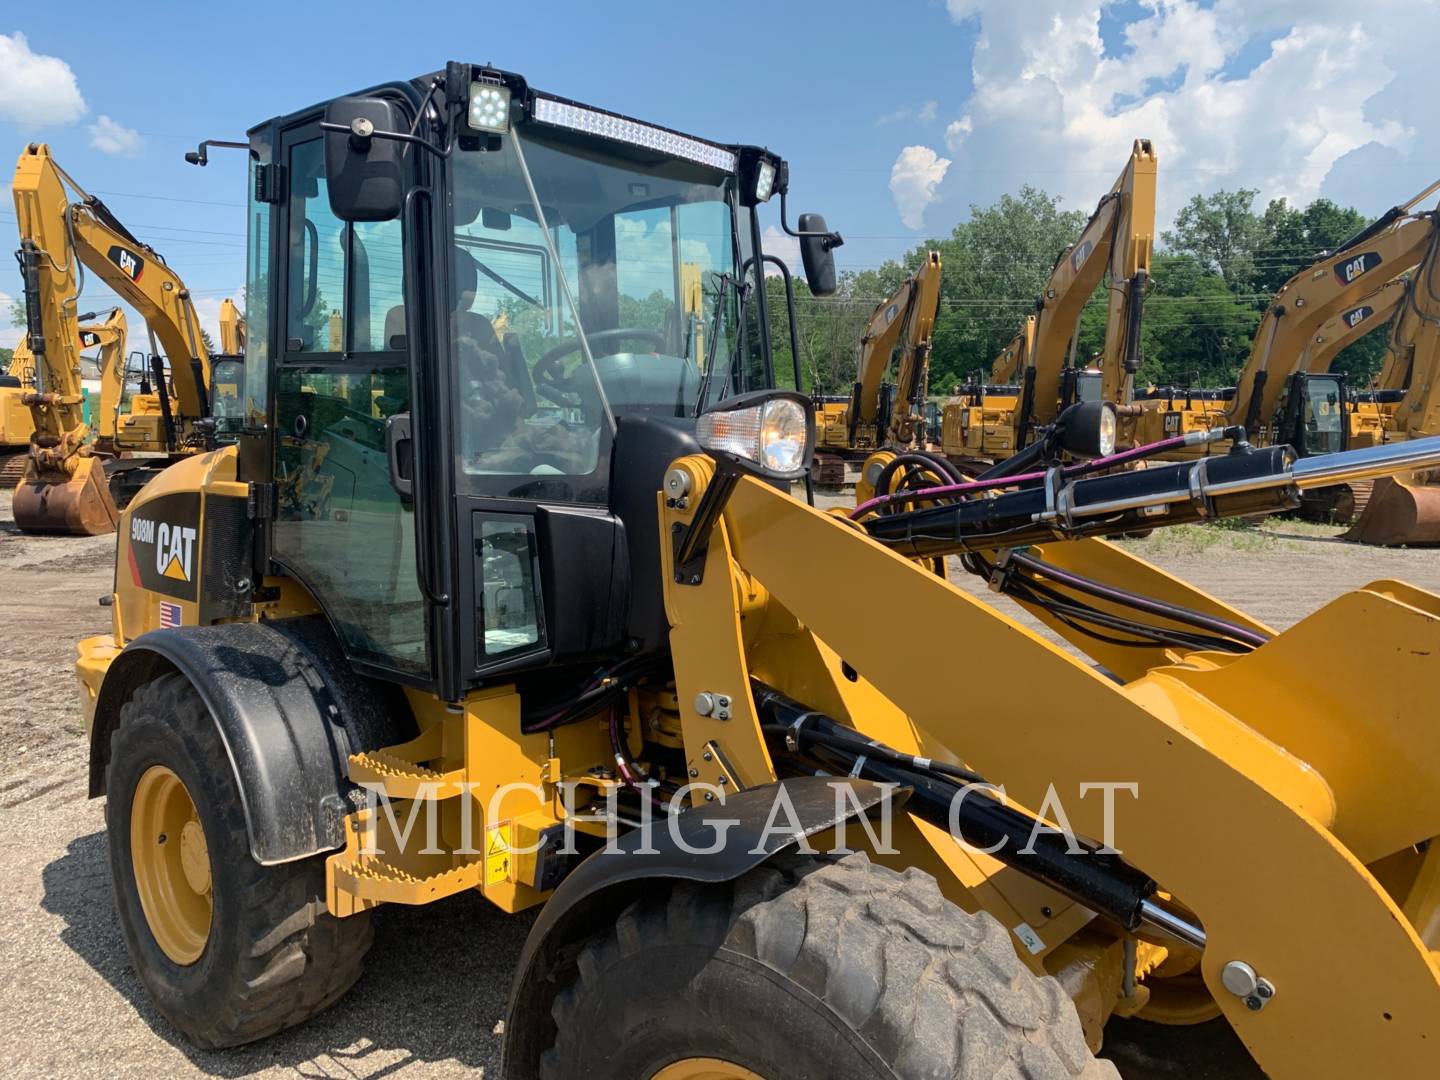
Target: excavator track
12	468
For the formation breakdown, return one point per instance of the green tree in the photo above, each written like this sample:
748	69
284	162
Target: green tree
1221	233
1194	330
1291	239
17	313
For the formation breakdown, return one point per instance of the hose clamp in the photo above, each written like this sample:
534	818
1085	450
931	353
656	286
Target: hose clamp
1199	481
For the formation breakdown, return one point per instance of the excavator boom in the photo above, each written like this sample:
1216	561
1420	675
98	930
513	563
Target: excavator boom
1119	237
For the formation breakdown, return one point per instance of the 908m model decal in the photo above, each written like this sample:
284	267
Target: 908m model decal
163	541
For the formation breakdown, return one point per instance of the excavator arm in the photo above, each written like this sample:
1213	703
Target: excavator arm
1119	238
1013	357
111	336
1350	325
1395	243
914	372
232	329
904	321
64	487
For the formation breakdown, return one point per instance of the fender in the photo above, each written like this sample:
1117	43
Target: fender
290	711
606	882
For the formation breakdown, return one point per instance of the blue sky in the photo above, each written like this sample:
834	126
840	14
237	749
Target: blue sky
895	116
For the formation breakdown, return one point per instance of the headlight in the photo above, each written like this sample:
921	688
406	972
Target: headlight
489	107
1088	429
769	432
1107	432
765	182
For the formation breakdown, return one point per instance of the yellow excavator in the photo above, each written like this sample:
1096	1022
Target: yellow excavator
602	669
1291	351
1405	510
1118	241
879	412
64	488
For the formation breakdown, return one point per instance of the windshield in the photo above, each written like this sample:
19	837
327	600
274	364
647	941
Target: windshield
640	259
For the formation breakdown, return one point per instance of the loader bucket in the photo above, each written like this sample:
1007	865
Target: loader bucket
80	505
1400	512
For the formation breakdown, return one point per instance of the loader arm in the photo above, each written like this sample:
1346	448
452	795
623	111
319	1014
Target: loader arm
1123	220
1307	300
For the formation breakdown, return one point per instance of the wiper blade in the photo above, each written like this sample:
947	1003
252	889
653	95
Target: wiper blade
743	293
506	285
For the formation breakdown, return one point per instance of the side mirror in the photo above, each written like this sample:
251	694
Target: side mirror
817	254
363	172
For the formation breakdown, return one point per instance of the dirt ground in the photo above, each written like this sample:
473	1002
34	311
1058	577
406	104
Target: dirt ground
437	979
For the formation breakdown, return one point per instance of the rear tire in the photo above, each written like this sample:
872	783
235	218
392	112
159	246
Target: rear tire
813	967
273	956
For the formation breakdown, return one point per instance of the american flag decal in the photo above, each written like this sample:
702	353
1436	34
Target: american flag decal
169	615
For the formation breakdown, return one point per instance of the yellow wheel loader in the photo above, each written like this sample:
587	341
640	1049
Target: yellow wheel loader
533	612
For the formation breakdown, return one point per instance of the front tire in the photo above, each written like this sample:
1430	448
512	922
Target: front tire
229	950
813	967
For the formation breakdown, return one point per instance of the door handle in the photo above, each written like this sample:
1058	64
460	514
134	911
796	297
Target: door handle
400	453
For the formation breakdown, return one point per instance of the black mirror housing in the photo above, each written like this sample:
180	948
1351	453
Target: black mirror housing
364	173
817	255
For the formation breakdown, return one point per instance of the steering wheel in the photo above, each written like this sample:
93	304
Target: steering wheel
549	374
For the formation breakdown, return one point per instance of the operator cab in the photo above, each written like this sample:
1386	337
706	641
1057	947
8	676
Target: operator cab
493	318
1312	414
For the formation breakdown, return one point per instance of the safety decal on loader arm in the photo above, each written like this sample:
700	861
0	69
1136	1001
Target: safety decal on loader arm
163	545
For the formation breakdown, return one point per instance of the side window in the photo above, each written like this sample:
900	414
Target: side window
317	256
257	306
346	280
377	297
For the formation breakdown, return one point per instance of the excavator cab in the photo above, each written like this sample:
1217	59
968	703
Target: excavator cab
1312	414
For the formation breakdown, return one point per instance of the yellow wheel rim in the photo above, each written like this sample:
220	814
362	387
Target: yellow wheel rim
172	865
705	1068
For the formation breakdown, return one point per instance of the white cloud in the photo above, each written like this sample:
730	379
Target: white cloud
916	174
925	113
1336	87
785	248
34	89
110	137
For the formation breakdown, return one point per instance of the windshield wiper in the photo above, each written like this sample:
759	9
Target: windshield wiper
514	290
742	292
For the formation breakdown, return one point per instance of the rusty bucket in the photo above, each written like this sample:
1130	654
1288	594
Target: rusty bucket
80	505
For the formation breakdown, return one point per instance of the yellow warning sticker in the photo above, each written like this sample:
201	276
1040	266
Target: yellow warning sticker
497	854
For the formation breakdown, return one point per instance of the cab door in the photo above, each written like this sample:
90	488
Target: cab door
341	373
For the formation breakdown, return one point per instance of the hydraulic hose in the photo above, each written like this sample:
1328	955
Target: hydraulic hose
1113	593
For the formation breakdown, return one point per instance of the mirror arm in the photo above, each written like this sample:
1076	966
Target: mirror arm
398	136
200	155
830	240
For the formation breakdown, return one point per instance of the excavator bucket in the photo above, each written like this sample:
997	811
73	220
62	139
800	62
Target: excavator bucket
81	505
1400	512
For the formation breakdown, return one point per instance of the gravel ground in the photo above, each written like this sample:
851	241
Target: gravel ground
437	979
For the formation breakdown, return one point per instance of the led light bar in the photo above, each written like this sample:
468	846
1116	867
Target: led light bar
592	121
